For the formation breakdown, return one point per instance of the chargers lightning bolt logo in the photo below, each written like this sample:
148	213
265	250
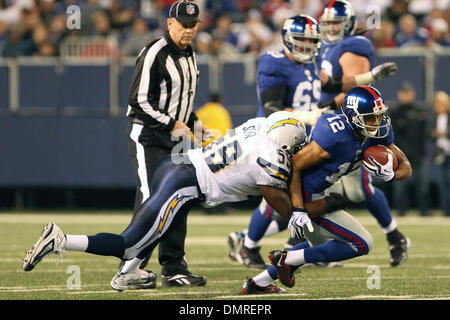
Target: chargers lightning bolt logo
288	121
170	208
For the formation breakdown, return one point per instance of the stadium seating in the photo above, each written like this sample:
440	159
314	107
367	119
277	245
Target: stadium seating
62	112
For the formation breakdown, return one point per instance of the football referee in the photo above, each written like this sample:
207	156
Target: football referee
161	102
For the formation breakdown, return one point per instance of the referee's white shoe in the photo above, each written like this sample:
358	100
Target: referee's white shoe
52	240
134	280
183	280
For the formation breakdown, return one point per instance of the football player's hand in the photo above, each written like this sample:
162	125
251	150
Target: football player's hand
384	172
299	219
384	70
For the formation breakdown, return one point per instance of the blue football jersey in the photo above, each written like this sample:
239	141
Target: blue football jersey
330	56
302	81
334	134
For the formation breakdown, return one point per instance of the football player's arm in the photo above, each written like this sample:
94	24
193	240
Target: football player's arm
307	157
404	169
278	199
272	99
345	83
332	202
352	65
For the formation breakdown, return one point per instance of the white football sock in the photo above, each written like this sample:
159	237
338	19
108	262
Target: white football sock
131	265
249	243
76	243
391	227
295	257
272	229
263	279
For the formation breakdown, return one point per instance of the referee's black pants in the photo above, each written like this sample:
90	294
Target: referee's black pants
147	149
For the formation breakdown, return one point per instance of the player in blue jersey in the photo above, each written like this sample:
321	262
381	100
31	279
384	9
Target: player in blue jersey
336	146
344	54
289	80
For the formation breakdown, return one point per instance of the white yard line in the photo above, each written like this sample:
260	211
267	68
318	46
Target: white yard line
253	296
83	218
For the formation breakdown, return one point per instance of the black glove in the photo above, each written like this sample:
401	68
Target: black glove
335	201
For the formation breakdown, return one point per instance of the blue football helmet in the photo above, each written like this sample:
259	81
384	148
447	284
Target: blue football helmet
364	101
338	20
295	30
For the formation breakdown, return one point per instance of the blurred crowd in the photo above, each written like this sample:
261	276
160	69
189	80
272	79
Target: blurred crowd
232	27
422	132
37	27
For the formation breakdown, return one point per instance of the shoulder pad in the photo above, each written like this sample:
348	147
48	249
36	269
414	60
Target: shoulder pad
358	45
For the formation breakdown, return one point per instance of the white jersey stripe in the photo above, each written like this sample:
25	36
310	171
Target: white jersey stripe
175	93
193	72
140	156
162	94
187	84
144	83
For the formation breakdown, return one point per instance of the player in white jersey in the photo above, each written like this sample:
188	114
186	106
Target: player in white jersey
234	166
253	159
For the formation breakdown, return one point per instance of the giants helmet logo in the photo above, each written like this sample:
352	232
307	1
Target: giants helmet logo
353	102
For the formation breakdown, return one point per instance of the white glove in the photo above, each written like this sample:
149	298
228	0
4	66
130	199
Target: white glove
299	219
379	72
384	172
310	117
384	70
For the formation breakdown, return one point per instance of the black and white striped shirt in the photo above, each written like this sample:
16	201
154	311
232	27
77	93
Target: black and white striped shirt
163	87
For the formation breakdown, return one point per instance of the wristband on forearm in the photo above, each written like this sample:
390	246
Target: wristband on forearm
333	85
364	79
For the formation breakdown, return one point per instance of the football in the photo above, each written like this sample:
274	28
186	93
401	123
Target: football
380	154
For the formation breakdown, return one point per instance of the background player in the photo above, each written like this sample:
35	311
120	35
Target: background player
289	80
336	148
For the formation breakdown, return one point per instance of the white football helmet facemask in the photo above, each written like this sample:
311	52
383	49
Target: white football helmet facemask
285	129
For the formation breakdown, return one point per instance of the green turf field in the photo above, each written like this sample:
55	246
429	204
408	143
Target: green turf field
426	274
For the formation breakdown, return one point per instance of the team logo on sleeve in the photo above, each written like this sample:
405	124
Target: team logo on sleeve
273	170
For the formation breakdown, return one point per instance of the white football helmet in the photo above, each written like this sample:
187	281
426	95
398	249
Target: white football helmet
285	129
